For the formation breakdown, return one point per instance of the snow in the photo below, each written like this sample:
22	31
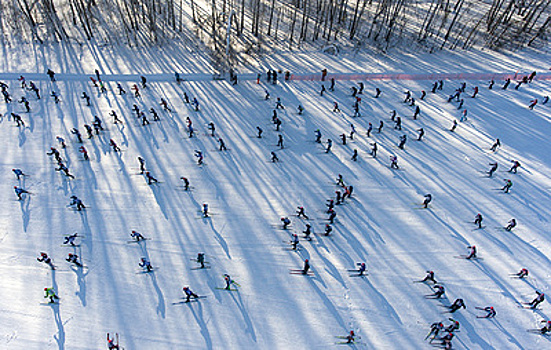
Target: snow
248	195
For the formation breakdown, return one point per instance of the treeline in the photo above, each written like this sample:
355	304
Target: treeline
235	27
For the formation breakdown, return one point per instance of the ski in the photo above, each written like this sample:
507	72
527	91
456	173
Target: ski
465	257
358	275
70	246
138	241
200	268
231	289
146	271
191	300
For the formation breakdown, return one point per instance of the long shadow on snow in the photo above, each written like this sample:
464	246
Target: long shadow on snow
161	307
25	211
239	303
199	318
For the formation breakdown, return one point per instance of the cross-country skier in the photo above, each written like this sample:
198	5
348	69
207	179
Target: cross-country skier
343	138
189	293
137	236
55	96
350	337
17	119
186	183
199	156
143	81
274	157
511	224
429	277
337	199
307	232
294	241
340	180
398	125
330	204
408	96
539	299
546	328
516	165
229	281
49	293
507	186
522	273
454	125
73	258
77	203
300	109
35	89
300	212
329	144
322	90
280	141
279	104
533	103
394	162
70	239
447	341
212	128
306	267
435	328
205	210
472	252
496	144
328	229
201	259
51	74
145	121
75	132
142	164
507	82
362	267
491	84
491	312
25	103
154	114
259	132
427	200
164	104
402	143
65	170
318	136
61	141
136	90
86	97
145	264
369	129
374	150
492	169
286	222
121	89
111	345
222	144
423	94
116	119
55	153
355	155
421	133
417	112
452	327
457	304
347	191
114	145
460	104
45	259
97	123
475	92
438	292
336	107
478	220
332	216
18	173
332	86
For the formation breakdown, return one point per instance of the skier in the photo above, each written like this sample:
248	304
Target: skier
438	292
111	342
116	119
457	304
97	124
186	183
475	92
306	267
49	293
322	90
340	180
136	90
55	153
150	178
330	204
114	145
300	109
336	107
421	133
347	191
121	89
84	152
516	165
416	112
77	202
23	82
144	119
355	155
19	192
89	132
36	90
17	119
352	131
427	200
300	213
73	258
337	200
61	141
403	140
452	327
189	293
361	89
286	222
205	210
55	96
164	104
350	337
332	216
374	150
274	158
260	131
86	97
496	144
429	277
511	224
154	114
65	170
472	252
45	259
394	162
329	144
190	130
294	241
137	236
460	104
408	96
51	74
201	259
491	312
144	82
70	239
398	124
278	104
145	264
318	136
447	341
212	128
492	169
508	185
435	328
25	103
547	328
539	299
142	164
533	103
229	281
332	86
328	229
307	232
343	138
280	141
362	268
369	129
522	273
199	156
18	173
478	220
454	125
222	144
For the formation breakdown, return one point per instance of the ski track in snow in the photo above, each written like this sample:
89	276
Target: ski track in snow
248	195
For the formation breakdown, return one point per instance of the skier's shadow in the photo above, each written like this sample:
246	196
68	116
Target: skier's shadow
219	237
79	272
201	322
239	303
60	337
25	212
161	307
22	136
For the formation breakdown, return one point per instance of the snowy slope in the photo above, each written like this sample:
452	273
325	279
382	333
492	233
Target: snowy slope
248	195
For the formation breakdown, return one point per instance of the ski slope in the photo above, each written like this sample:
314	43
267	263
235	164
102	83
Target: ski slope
381	225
